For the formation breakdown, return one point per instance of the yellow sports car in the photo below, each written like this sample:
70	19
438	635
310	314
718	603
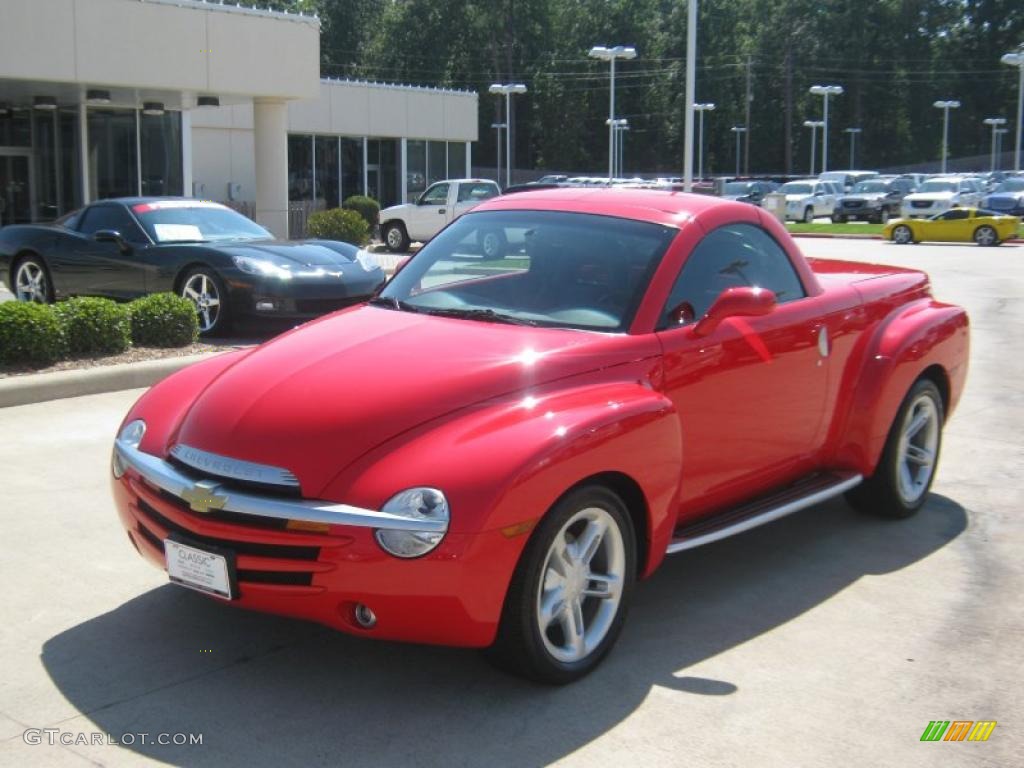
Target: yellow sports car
957	225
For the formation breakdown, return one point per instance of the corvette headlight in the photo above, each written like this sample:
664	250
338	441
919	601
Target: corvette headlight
261	267
426	504
131	435
365	260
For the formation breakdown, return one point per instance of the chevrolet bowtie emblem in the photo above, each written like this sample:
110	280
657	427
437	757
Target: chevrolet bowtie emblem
203	497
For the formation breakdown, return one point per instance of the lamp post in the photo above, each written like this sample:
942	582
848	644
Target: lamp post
999	144
610	55
691	93
995	123
618	126
498	168
1017	60
506	90
945	106
739	130
621	143
825	91
814	125
853	143
701	109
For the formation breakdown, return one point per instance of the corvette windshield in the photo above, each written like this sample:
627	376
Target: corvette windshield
546	268
177	221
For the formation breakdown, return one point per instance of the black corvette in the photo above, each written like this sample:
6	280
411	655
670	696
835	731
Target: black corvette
227	265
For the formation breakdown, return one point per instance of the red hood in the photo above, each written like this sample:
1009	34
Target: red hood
315	400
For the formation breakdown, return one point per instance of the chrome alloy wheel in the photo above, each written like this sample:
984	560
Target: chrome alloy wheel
918	448
201	290
902	234
581	586
394	238
985	236
30	283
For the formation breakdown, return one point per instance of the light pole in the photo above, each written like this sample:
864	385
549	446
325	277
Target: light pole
622	146
507	90
996	123
701	109
853	143
945	106
1017	60
618	125
814	125
825	91
610	55
691	93
999	144
497	168
739	130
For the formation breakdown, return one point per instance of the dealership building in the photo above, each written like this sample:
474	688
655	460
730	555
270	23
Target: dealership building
109	98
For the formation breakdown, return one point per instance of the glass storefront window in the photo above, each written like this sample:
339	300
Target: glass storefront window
351	167
415	167
16	127
70	178
160	142
437	162
113	161
300	167
45	151
457	160
327	171
383	171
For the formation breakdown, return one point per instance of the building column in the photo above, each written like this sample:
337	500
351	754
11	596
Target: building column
270	136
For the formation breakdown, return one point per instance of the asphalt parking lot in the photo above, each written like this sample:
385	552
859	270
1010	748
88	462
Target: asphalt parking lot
826	639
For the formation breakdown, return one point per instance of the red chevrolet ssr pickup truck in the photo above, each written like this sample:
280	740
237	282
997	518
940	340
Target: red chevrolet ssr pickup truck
497	446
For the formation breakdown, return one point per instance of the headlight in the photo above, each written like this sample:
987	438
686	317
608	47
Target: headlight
130	435
366	260
253	266
417	504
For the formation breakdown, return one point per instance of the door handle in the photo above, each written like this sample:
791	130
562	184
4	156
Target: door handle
440	210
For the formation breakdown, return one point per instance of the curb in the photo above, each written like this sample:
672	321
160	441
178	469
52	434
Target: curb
41	387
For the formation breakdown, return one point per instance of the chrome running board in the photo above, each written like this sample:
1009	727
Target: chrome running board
802	494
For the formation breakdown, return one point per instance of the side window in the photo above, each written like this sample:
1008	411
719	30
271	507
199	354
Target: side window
956	213
436	195
474	193
114	217
730	256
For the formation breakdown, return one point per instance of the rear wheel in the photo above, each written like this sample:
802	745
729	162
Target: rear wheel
902	234
907	467
492	243
205	290
986	236
395	237
882	217
32	281
838	218
568	598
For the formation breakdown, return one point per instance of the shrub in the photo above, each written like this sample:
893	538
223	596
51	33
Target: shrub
164	320
339	224
95	325
30	333
366	207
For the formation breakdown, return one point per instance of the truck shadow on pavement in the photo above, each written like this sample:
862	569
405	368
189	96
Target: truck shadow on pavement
266	690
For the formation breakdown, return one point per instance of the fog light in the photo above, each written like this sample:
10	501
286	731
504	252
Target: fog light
365	618
266	306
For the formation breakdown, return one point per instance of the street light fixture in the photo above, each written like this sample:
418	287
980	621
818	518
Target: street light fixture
814	125
701	109
739	130
945	106
996	123
825	91
1017	60
853	143
497	168
506	90
605	53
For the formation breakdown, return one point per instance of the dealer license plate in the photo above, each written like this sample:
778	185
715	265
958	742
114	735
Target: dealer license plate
200	569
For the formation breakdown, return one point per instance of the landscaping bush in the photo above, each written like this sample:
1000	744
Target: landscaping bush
95	325
164	320
30	333
366	207
339	224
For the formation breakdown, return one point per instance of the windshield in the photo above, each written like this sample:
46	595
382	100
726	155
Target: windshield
832	176
869	186
189	221
1011	185
546	268
938	186
796	188
737	188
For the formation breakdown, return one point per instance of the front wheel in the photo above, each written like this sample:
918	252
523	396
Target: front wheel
809	216
395	237
205	290
568	598
986	236
492	243
901	235
905	472
882	217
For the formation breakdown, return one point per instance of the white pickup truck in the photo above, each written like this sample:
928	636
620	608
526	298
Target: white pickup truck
439	205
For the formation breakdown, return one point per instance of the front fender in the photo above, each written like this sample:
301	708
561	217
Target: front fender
923	335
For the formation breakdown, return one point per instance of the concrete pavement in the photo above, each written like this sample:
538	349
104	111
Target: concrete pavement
826	639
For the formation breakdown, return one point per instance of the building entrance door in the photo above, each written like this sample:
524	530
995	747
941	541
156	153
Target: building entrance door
15	188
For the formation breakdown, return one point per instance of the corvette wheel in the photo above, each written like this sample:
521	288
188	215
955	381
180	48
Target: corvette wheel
31	283
395	237
568	598
985	236
907	467
809	216
902	235
204	289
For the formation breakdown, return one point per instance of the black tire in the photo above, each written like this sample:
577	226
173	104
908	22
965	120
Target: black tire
34	268
881	493
838	219
986	236
808	215
520	648
492	243
202	286
902	234
882	217
396	239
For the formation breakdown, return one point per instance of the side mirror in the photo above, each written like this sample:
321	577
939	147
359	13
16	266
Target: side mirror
741	301
111	236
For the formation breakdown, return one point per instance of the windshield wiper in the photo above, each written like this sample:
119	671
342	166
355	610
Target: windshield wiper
389	302
487	315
